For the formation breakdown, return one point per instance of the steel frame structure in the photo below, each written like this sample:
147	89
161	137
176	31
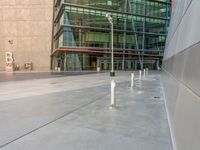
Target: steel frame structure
59	7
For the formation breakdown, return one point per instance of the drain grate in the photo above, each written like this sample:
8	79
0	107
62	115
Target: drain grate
157	97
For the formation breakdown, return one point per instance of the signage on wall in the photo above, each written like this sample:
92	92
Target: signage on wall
9	61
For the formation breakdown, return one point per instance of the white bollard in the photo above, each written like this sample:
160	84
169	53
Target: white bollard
140	74
144	74
132	79
147	72
113	100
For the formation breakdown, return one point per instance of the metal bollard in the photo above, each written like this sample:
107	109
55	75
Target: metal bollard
113	100
144	74
140	74
132	79
147	72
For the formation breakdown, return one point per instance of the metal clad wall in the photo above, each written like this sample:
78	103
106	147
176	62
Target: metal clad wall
181	75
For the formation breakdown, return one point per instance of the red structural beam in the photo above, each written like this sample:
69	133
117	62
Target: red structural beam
101	52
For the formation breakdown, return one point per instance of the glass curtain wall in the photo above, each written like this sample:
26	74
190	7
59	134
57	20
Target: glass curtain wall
140	26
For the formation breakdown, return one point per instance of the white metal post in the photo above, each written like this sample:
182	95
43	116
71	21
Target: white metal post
140	74
147	72
144	74
113	100
132	79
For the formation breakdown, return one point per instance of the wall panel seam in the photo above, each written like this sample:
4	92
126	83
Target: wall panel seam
182	83
190	47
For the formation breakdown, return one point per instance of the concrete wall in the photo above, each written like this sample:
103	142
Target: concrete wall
29	24
181	75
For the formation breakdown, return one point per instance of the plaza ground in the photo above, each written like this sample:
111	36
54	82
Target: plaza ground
72	112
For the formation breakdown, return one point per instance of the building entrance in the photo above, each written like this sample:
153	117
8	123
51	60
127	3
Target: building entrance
129	64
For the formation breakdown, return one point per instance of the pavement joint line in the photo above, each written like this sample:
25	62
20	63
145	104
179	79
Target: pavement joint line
53	121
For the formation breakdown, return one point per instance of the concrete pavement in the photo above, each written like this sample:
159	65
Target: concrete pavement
29	75
73	113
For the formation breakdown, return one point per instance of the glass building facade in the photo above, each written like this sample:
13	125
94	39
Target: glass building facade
82	33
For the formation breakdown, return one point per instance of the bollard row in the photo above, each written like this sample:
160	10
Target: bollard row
113	86
143	74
